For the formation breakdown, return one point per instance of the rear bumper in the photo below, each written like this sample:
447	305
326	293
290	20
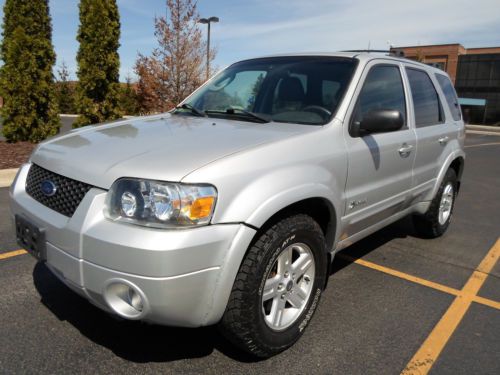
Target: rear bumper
184	277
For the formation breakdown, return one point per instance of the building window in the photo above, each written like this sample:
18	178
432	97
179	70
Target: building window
440	65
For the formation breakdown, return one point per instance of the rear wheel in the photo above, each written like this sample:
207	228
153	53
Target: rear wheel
437	218
277	288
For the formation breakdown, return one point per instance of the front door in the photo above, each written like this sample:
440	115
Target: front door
380	164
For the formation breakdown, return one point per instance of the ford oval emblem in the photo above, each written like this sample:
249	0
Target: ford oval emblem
48	188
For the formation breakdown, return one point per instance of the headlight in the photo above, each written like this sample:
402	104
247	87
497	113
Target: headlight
160	204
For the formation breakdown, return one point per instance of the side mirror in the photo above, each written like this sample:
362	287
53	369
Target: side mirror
379	121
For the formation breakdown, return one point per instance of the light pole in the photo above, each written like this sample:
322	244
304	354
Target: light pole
208	21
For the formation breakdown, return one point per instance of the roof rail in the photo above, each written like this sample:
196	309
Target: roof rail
368	50
392	52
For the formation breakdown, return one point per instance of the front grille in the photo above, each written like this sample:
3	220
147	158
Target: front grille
68	195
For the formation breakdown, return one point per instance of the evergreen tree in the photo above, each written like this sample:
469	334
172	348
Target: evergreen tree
98	89
129	103
26	79
255	91
65	90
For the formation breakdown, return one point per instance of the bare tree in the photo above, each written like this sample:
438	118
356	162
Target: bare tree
176	66
420	57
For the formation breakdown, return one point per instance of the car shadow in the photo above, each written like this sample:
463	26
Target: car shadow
400	229
142	342
131	340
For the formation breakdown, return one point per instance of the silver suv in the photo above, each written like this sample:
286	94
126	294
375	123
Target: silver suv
230	208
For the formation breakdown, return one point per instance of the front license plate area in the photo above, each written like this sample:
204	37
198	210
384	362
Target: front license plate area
31	238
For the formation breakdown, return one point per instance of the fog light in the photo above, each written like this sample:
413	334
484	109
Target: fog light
125	299
135	300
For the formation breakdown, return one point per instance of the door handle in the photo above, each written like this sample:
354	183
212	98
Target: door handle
443	140
405	150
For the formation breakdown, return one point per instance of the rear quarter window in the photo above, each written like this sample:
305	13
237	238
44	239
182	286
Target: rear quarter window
450	95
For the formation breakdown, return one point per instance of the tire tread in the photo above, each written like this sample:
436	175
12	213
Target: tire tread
428	225
238	322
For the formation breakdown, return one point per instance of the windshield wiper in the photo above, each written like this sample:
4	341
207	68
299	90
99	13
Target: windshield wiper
193	109
232	111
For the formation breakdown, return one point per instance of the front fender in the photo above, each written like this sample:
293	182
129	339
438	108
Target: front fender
268	194
285	198
255	184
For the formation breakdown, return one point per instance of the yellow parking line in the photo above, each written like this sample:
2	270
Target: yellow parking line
428	353
418	280
487	302
401	275
11	254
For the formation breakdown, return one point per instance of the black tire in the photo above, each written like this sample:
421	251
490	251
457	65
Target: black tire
243	322
428	225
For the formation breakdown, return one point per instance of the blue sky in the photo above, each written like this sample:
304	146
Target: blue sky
259	27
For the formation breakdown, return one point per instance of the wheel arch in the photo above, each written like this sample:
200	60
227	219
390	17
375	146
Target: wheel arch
455	161
319	208
458	166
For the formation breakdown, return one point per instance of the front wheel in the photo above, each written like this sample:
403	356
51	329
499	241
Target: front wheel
277	288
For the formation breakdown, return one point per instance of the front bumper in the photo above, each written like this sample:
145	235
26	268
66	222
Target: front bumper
184	277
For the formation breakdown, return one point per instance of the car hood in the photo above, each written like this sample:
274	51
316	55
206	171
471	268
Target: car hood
165	147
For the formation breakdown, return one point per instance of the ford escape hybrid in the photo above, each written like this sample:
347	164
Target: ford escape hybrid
229	209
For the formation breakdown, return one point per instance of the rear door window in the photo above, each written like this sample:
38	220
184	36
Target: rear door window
428	110
450	95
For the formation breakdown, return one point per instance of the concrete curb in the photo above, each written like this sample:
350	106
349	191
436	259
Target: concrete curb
7	176
486	128
480	132
75	116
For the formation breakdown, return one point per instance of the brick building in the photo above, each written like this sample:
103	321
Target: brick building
474	71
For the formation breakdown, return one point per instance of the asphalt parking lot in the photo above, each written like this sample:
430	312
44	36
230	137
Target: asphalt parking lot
393	302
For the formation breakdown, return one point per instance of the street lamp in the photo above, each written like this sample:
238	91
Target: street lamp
208	21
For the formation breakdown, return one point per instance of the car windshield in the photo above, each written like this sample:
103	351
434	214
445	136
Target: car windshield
302	90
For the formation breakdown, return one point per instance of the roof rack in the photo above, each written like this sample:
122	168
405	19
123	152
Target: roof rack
368	50
392	52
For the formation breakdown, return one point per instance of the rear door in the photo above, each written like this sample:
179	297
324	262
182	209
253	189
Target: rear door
433	129
380	164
